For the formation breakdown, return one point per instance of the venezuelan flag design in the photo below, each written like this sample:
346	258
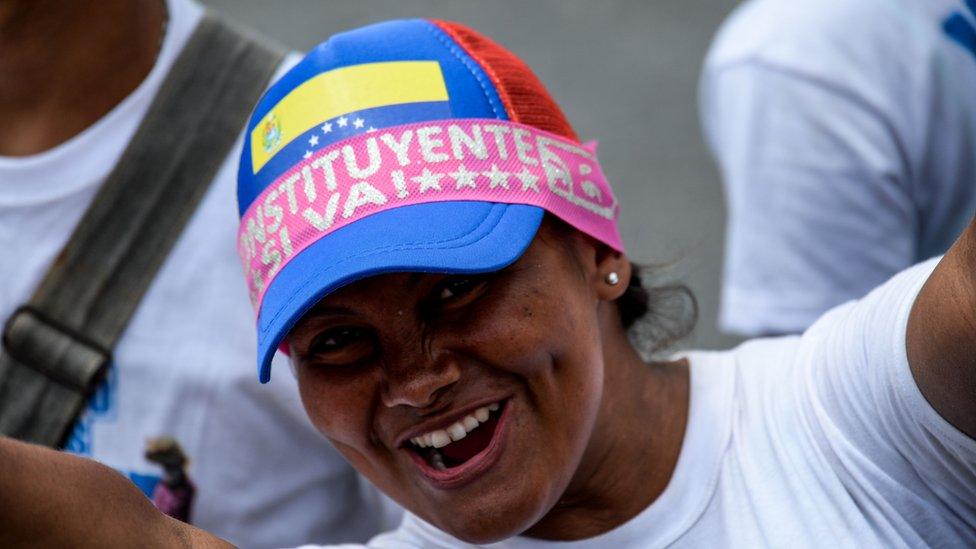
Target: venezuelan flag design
394	77
313	115
357	81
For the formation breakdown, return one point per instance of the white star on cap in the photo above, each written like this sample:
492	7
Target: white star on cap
343	121
464	178
307	155
371	129
313	141
358	123
529	181
327	127
498	177
428	180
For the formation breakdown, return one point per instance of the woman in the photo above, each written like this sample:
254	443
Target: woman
427	239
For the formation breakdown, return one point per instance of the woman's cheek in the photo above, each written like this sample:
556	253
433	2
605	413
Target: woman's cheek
512	342
339	408
521	324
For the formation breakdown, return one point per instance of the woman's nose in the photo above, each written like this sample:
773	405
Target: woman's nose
419	386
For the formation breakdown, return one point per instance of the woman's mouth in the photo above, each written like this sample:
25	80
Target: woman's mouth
463	449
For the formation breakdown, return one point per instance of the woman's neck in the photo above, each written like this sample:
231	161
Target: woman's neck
634	446
67	64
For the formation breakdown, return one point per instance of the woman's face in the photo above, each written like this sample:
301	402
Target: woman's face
470	399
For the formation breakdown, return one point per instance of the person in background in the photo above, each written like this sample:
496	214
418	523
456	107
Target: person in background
440	258
845	133
174	492
76	79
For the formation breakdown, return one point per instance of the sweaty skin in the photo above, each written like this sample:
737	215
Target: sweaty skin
379	365
941	336
593	432
54	499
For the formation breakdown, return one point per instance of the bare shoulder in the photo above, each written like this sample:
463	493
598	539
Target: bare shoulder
941	338
184	535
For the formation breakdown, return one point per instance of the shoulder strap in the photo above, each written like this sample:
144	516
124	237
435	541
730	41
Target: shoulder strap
57	348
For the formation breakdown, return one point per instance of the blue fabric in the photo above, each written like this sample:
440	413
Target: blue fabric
145	483
449	237
960	30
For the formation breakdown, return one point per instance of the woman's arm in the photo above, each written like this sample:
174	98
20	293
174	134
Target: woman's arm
941	339
49	498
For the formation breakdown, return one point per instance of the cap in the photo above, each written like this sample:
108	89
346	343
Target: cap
404	146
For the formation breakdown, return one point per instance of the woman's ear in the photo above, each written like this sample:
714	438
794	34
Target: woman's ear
606	269
612	273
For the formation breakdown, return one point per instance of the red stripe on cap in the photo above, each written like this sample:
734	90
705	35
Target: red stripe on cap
525	98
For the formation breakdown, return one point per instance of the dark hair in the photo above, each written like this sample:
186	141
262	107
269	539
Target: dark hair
658	315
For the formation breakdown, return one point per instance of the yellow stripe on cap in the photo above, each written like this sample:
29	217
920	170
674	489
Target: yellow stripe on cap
342	91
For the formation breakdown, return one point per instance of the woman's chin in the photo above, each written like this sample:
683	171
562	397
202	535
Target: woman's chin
498	493
491	509
493	522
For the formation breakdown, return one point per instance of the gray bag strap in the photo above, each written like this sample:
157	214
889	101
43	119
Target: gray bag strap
57	348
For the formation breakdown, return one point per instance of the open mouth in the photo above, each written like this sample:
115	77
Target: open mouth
450	449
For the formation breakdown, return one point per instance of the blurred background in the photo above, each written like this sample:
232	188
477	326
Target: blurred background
625	72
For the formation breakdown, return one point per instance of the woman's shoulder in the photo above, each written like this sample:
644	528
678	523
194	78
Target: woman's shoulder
759	391
854	331
755	360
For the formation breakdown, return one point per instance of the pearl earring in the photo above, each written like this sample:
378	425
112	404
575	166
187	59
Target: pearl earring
612	278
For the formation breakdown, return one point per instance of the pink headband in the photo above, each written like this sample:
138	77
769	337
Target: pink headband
485	160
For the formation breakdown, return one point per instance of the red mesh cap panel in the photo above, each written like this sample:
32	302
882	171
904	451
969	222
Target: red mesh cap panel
525	98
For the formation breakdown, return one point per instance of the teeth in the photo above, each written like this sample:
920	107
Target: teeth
437	460
481	414
442	437
457	431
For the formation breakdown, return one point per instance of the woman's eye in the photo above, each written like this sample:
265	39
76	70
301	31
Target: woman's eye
457	287
342	346
338	338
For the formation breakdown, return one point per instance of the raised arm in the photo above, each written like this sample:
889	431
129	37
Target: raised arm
51	499
941	338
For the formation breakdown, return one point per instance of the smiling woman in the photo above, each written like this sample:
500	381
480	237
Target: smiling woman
473	399
446	274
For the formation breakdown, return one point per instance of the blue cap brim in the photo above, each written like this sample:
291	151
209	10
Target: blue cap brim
441	237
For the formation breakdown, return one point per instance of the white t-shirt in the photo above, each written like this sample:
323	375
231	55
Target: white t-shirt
820	440
845	131
186	364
